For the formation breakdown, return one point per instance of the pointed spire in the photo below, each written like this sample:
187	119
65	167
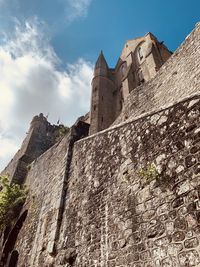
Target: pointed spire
101	62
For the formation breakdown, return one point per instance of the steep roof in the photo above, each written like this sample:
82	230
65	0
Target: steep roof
101	62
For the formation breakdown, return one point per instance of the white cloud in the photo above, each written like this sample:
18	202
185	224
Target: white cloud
8	147
77	8
31	82
73	9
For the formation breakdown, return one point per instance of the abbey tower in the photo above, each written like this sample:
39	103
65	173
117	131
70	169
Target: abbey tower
139	62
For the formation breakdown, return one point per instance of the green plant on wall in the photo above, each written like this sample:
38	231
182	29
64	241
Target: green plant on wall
149	173
11	197
63	130
28	167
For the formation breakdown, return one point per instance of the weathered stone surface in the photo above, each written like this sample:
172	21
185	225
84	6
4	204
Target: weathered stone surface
178	236
189	258
139	62
191	243
150	96
113	215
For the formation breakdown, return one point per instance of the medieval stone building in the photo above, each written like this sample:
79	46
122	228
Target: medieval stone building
122	186
139	62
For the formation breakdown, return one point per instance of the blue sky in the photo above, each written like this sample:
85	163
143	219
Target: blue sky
48	49
105	24
110	22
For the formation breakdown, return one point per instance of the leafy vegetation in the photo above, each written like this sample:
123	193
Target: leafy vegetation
149	173
12	196
61	132
28	167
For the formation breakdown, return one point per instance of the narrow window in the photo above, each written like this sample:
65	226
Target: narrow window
120	104
140	77
101	119
94	107
140	54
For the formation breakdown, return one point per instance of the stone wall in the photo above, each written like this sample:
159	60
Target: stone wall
12	165
47	184
40	137
178	78
121	213
98	203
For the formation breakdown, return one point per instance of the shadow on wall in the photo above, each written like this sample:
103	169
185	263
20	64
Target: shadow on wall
10	255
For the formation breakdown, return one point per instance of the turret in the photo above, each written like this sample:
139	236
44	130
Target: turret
102	100
38	121
101	66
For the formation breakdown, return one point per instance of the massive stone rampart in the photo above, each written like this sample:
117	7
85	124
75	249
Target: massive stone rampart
116	213
178	78
47	182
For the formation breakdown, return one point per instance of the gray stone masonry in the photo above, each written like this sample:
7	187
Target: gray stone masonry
40	137
178	78
114	215
117	216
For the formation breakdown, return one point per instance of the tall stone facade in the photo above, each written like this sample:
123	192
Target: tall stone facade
139	62
124	196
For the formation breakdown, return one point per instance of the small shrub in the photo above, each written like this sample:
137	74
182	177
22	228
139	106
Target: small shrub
28	167
63	130
11	197
149	173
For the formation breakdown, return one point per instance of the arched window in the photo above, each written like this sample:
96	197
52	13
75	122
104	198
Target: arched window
140	54
11	240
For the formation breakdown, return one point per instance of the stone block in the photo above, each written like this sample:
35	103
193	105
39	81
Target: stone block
188	258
